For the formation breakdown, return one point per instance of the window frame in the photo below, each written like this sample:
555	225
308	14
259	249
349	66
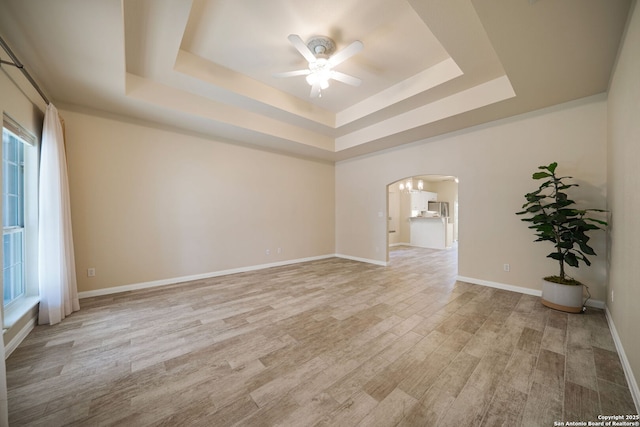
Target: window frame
20	305
16	222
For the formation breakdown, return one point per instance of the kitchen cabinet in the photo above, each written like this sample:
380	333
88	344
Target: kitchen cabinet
431	232
420	201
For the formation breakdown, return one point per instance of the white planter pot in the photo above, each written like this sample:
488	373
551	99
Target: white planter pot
562	297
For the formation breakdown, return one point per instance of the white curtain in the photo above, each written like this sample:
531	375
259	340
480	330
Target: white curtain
56	264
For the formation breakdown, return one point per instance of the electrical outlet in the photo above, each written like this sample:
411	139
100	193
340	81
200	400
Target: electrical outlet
279	250
611	295
268	252
507	267
91	272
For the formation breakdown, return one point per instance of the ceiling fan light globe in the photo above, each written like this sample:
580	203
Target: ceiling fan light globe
312	79
319	76
324	74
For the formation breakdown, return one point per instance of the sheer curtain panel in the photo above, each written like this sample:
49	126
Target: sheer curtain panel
56	264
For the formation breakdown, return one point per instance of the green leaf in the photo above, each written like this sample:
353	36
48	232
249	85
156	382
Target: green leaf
571	259
586	249
598	221
556	255
552	167
565	245
540	175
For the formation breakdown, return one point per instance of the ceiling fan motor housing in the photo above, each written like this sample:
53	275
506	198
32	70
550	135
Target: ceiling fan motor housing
321	46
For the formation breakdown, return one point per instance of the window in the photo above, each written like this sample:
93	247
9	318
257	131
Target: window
19	213
12	215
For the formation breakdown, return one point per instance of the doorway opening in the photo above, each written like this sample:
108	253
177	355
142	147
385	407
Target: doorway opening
422	212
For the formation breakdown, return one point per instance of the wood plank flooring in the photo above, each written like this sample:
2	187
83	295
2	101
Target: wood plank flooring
327	343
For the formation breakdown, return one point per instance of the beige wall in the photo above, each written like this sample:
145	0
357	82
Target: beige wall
405	222
393	203
399	204
624	195
19	107
150	204
494	163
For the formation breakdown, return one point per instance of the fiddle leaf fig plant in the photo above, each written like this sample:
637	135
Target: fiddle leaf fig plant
554	218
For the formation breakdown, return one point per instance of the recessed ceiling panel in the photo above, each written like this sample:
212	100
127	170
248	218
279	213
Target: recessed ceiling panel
206	66
250	37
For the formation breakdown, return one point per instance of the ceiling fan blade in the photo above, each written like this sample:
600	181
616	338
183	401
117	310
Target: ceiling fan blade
345	78
346	53
297	42
293	73
315	91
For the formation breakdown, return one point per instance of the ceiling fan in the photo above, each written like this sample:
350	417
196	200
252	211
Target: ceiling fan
318	51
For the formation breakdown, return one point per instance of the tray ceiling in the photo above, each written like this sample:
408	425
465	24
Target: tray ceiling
206	66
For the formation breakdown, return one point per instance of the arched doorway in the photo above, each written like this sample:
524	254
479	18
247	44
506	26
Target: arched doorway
422	211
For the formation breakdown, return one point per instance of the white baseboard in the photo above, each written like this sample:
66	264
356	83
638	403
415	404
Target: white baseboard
596	303
399	244
174	280
535	292
503	286
20	336
367	260
628	373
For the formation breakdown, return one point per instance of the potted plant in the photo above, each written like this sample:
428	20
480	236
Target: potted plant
554	219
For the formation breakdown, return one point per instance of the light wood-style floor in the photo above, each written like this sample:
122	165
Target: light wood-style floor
328	343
